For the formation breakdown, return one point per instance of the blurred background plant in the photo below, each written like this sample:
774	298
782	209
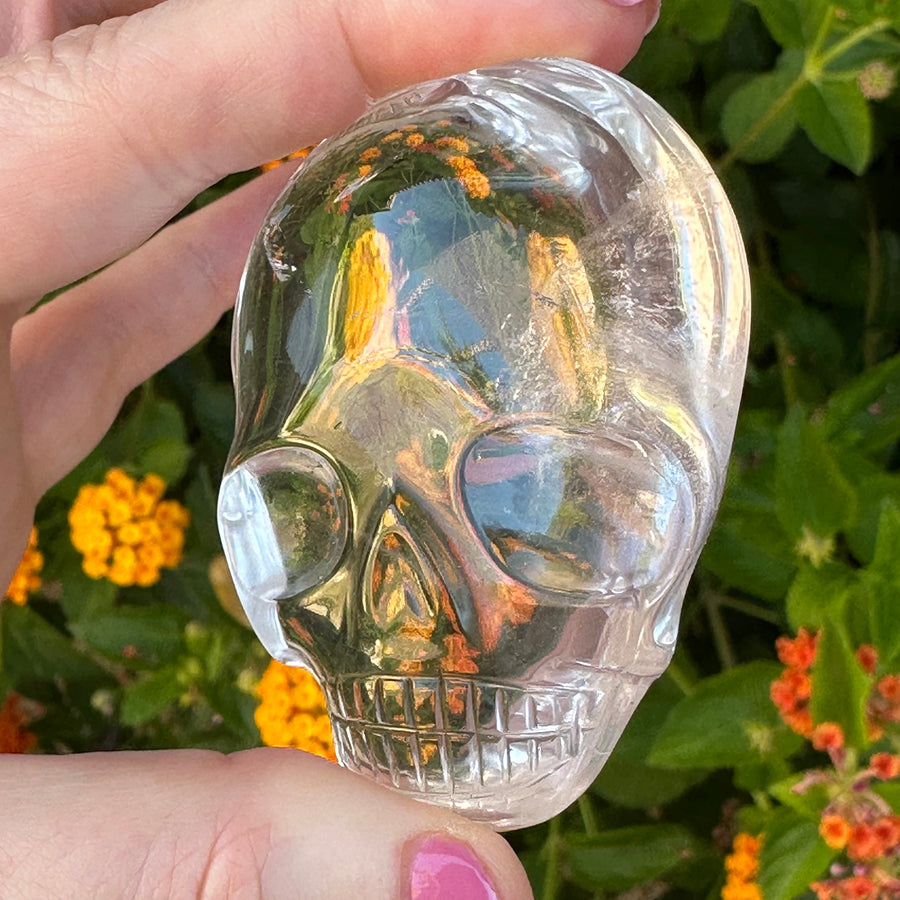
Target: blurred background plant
764	763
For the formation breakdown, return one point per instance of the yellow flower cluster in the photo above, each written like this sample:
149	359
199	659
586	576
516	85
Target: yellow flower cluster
275	163
369	292
741	867
470	177
292	711
26	579
125	532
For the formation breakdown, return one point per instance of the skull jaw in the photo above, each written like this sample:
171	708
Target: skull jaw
499	753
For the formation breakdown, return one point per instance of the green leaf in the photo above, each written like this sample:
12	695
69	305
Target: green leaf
154	435
167	457
621	858
666	60
793	23
147	697
83	597
151	634
728	720
886	561
837	119
840	686
34	650
808	804
872	493
890	791
793	856
818	595
872	614
627	779
759	118
700	20
814	499
750	552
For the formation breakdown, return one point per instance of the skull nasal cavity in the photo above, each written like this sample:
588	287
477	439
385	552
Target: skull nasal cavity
402	584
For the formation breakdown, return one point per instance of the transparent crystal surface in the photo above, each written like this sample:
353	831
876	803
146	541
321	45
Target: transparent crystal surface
488	352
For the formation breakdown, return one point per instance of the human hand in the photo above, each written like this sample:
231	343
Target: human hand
108	127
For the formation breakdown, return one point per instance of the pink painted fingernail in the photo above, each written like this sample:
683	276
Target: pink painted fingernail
442	869
625	2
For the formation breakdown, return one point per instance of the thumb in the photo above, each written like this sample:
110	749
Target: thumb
262	823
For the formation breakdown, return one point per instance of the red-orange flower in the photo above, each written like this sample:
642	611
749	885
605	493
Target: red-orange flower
828	736
799	652
790	693
885	765
864	842
14	736
858	887
889	688
888	831
867	657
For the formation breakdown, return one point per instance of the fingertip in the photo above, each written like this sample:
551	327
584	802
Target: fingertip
340	835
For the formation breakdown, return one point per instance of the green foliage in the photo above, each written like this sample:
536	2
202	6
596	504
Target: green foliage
791	100
728	720
793	856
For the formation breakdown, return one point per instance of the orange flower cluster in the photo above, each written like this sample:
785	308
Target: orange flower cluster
861	824
863	841
792	690
27	578
292	711
856	820
853	887
741	868
125	532
14	737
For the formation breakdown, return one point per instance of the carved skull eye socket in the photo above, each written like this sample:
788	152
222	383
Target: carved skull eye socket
284	521
576	513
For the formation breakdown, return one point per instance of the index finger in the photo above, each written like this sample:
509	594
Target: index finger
108	130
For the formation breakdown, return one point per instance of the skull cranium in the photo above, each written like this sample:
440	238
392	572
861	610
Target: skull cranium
488	352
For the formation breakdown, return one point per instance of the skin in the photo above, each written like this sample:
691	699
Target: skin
113	115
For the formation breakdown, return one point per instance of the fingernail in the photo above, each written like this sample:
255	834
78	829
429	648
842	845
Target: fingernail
625	2
442	869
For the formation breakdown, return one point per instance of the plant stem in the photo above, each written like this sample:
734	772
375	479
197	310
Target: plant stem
588	816
813	51
780	104
721	638
750	609
851	40
786	367
680	678
550	890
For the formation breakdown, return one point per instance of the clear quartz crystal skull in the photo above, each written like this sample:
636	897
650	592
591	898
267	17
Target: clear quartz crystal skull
488	352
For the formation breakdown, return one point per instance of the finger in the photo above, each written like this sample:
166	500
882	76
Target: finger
109	130
26	22
75	359
262	823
